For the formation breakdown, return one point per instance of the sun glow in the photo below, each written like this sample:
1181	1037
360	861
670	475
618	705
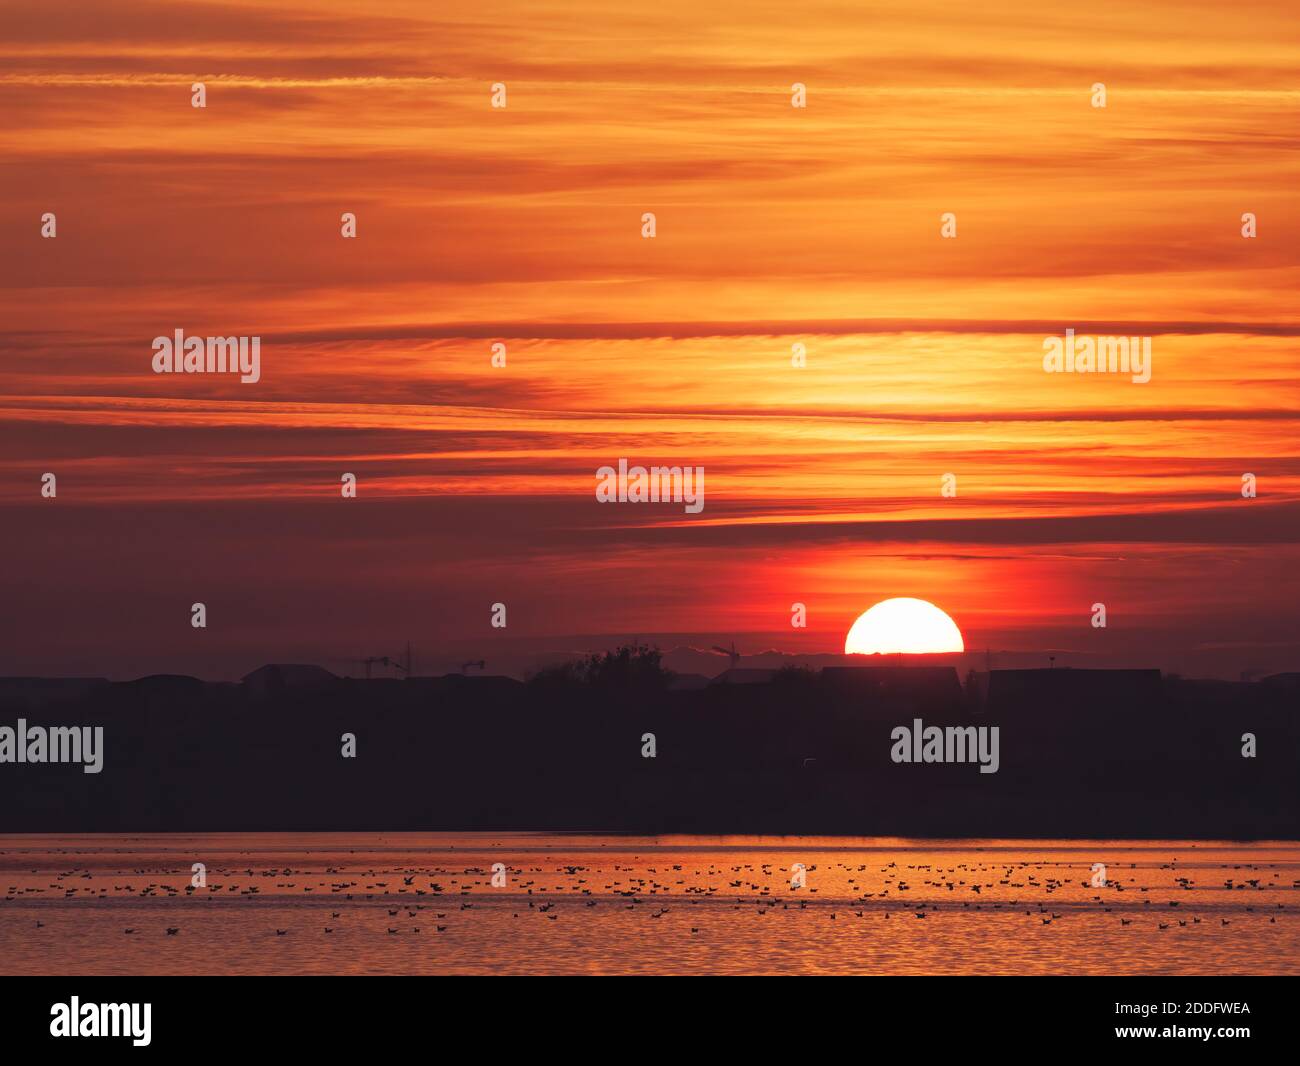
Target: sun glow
903	625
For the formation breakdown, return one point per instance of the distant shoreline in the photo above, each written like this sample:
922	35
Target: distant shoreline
1074	755
673	839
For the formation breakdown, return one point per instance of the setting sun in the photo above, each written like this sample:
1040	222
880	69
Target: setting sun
903	625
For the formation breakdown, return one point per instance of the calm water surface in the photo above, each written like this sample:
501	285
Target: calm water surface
424	903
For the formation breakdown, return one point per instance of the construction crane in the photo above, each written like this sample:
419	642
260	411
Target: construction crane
732	655
370	661
403	664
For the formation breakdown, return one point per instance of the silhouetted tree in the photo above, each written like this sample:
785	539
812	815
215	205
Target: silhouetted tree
629	667
795	678
557	679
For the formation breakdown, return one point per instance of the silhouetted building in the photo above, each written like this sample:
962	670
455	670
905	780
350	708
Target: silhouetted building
28	693
744	675
1046	691
276	677
897	689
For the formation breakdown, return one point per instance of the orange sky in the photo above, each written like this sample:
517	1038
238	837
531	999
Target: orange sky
776	226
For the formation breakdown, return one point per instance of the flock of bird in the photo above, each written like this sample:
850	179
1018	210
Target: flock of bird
441	899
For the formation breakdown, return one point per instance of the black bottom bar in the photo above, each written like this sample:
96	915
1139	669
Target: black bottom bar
390	1014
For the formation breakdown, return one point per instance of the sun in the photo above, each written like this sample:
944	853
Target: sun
903	625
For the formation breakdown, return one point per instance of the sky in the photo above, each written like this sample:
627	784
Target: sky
775	226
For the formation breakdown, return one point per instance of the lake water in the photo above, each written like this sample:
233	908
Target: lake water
572	904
